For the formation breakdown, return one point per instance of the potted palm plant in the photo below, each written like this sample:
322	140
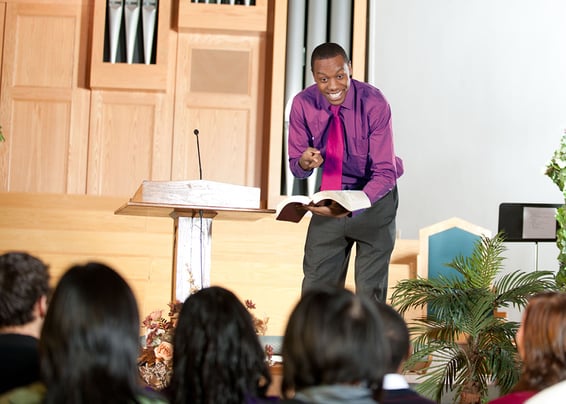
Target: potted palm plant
469	343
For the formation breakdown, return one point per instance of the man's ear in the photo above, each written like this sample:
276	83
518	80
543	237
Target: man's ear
42	306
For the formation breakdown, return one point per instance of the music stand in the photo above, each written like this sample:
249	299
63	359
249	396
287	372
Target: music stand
528	222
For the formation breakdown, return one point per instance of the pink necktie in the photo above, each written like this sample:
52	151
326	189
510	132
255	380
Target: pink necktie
332	171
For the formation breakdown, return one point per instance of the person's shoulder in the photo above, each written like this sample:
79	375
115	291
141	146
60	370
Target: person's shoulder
19	339
514	397
366	90
552	394
406	396
31	394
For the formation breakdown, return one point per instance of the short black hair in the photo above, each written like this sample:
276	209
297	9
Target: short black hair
24	279
397	333
328	50
334	336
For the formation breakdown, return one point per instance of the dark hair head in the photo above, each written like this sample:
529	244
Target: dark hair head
24	279
217	357
328	50
89	341
397	334
543	341
333	337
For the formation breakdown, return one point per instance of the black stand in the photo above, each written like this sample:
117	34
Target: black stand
528	222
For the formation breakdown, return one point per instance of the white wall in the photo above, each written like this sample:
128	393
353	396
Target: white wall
478	95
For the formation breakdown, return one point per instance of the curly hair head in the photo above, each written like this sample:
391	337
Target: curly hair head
217	357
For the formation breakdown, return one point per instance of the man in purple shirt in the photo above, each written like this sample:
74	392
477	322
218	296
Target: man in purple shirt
368	163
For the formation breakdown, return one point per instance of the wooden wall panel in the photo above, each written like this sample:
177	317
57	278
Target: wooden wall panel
43	107
194	16
228	113
359	40
264	266
2	23
130	141
276	120
39	152
68	229
4	155
260	260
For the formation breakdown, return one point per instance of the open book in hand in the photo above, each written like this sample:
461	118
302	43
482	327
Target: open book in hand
292	209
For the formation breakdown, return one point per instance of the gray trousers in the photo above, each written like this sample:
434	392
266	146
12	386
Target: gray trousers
329	244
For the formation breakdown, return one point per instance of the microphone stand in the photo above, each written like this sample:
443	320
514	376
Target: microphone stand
201	212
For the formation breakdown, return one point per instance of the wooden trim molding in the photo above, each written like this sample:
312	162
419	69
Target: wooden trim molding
222	17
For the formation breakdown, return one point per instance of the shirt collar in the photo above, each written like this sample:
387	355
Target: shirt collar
350	96
394	381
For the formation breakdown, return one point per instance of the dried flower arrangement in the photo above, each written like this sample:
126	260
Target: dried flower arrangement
155	362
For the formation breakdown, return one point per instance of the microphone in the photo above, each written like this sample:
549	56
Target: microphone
196	132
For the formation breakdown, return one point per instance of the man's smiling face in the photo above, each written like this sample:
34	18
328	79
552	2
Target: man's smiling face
332	77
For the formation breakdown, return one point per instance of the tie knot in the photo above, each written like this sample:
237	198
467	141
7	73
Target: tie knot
335	109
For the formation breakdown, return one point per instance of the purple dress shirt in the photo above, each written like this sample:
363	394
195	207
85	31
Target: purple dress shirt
369	162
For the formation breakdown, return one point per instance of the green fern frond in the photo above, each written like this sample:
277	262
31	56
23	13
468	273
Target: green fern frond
442	375
514	289
486	261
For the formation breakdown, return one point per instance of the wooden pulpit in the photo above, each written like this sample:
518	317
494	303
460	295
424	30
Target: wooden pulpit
193	205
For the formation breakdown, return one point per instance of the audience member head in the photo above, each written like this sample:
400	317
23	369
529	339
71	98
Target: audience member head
24	285
217	356
541	341
333	337
397	335
90	339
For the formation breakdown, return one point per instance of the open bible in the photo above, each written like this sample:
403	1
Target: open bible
292	209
